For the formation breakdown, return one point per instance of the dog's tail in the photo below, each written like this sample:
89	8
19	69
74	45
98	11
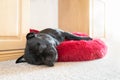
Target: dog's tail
20	59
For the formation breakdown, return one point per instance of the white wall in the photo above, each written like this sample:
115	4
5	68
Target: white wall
113	19
44	13
97	18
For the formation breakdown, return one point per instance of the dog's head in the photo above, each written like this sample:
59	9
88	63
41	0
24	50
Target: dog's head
36	44
40	49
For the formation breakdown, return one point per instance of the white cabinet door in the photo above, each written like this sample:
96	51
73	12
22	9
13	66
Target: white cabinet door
14	24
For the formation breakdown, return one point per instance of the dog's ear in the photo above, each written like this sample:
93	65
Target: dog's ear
20	59
30	35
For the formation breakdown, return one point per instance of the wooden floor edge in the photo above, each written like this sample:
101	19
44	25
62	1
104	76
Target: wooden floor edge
12	56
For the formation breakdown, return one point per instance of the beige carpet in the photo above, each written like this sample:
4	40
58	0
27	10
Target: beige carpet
107	68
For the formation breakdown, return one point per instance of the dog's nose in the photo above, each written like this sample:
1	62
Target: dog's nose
50	64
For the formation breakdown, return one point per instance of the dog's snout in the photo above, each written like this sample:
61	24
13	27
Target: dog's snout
48	61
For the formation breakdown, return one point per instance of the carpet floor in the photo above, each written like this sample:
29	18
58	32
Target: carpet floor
107	68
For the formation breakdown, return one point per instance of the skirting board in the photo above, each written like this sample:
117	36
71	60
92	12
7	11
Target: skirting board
10	55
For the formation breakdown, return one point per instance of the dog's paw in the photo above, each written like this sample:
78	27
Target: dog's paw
87	38
90	38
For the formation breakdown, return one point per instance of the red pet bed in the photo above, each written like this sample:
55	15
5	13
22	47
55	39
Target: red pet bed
73	50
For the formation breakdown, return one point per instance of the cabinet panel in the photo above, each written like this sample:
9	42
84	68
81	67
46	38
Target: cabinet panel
9	17
74	15
14	25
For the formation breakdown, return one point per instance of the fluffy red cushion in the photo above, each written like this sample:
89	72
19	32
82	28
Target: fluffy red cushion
73	50
34	30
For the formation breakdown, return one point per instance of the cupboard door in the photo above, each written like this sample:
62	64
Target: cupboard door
14	24
74	15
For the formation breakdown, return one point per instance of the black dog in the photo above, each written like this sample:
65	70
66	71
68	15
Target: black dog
41	48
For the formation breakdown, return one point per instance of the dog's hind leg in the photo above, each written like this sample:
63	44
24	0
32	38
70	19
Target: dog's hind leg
70	36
